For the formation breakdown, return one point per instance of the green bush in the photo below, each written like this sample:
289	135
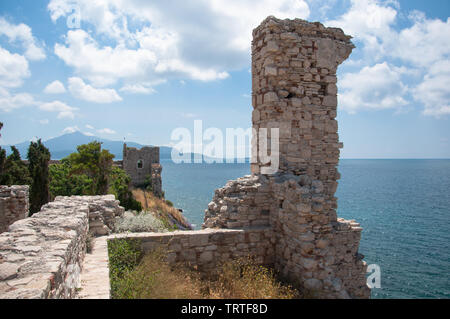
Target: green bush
120	187
136	223
124	256
168	202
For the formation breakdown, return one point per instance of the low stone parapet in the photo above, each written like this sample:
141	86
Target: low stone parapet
42	256
205	249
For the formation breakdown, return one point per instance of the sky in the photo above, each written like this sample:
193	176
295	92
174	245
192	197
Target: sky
137	70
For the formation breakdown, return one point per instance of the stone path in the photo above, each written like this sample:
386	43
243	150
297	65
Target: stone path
95	273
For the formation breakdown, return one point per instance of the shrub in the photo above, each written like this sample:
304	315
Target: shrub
124	256
136	223
169	203
120	187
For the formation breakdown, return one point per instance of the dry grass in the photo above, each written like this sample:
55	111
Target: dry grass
243	279
160	209
153	278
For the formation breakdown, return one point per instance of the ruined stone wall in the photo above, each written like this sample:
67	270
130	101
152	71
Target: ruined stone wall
156	171
41	256
245	202
14	204
206	249
103	211
148	157
294	65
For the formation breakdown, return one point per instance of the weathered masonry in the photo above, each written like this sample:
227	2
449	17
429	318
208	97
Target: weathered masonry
14	205
206	249
294	65
41	256
143	164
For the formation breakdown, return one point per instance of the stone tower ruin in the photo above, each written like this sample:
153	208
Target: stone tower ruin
294	64
143	165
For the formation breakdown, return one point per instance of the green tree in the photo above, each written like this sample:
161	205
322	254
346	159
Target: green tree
15	171
62	183
38	158
94	162
90	171
120	187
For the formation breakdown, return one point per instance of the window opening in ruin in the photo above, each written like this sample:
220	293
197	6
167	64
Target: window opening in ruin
140	164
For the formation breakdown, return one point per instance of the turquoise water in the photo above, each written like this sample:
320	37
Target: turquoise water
403	206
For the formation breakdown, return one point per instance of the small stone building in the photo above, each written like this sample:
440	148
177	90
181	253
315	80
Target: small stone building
143	165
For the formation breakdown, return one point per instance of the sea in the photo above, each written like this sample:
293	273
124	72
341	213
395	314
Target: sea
402	205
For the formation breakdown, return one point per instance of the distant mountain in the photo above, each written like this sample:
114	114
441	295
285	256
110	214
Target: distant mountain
66	144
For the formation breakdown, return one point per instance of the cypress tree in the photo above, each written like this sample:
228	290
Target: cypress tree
38	157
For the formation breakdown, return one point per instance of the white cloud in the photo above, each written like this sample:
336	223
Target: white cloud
434	91
137	89
64	110
89	126
200	40
106	65
377	87
88	134
102	66
149	42
22	33
56	87
106	131
70	129
370	22
44	121
13	69
423	44
416	49
9	102
86	92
